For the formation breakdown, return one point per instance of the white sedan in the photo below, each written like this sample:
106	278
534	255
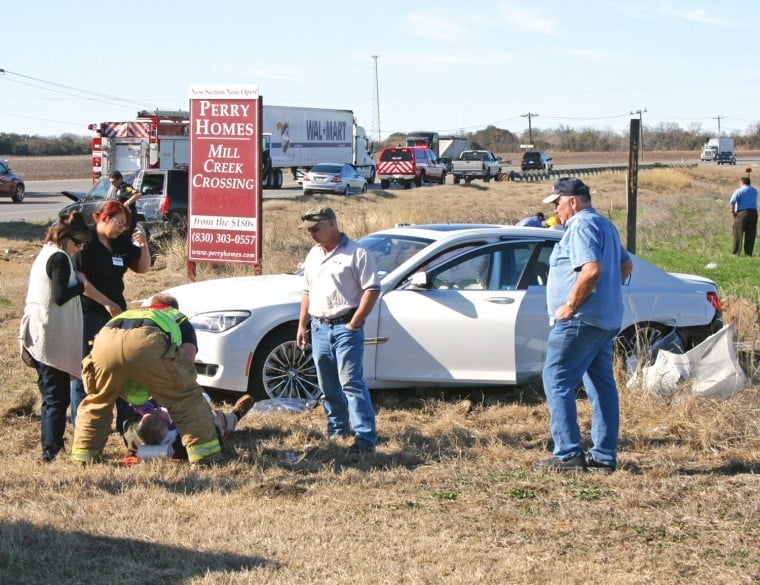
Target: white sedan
460	305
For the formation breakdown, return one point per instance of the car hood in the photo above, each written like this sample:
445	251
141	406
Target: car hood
238	293
75	196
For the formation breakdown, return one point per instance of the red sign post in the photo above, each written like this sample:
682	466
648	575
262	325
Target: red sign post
224	215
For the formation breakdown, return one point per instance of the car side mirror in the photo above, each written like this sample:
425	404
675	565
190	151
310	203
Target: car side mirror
418	281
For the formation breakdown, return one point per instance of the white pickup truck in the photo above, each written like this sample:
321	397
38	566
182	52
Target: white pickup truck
475	164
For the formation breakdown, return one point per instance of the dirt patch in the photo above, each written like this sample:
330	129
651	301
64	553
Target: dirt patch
42	168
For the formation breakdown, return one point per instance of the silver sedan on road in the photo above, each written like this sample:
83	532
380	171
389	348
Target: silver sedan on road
334	178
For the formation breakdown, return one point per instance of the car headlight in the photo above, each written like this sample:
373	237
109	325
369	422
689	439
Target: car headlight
218	322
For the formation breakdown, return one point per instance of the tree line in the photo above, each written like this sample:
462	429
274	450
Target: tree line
663	136
26	145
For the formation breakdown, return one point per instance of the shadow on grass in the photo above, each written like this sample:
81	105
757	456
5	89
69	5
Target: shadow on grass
24	231
403	399
32	554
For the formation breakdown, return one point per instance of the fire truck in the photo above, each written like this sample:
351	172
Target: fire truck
155	140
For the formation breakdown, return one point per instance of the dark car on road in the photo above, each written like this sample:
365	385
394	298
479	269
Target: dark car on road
536	161
88	202
726	158
161	211
11	184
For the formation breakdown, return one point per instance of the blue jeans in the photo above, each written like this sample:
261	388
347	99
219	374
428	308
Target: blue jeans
94	321
579	352
54	388
338	353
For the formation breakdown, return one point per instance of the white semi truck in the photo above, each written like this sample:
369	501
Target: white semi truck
715	146
293	139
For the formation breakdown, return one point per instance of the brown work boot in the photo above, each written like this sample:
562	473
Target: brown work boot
242	406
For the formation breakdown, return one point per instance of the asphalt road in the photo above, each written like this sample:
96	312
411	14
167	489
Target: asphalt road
43	199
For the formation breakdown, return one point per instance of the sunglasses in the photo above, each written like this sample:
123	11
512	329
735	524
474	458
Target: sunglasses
77	242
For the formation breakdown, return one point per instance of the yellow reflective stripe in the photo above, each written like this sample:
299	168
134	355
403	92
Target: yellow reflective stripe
84	456
197	452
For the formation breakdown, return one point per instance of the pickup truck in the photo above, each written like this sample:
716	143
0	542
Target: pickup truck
475	164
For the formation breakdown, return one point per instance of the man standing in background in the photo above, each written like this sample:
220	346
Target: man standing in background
744	209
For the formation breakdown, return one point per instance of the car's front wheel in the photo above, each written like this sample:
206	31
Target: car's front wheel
282	370
18	194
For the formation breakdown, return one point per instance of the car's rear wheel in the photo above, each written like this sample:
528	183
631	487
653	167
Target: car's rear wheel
384	184
456	179
420	179
18	194
636	344
347	190
281	370
276	178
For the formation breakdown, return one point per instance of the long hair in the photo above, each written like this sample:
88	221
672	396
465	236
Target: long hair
70	226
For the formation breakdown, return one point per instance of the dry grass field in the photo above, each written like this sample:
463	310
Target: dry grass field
448	497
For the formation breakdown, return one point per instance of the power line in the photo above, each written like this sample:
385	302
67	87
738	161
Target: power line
80	93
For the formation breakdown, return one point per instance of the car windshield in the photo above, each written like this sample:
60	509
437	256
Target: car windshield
391	250
334	169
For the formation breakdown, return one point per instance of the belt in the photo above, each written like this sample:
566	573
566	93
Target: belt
339	320
134	324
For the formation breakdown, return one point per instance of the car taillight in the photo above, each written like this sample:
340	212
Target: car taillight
164	206
712	298
335	179
306	178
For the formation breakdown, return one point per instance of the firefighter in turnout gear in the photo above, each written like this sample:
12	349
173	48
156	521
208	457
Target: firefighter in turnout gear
154	348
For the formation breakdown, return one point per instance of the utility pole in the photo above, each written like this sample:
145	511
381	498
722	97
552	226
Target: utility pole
641	130
530	115
718	119
376	103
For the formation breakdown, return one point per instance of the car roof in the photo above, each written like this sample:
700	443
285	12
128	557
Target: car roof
439	231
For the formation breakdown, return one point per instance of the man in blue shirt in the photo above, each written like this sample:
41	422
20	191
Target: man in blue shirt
744	209
585	304
532	220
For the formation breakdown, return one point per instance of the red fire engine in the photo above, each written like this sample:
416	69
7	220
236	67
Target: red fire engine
156	139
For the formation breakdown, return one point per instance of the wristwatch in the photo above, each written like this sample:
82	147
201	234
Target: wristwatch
571	305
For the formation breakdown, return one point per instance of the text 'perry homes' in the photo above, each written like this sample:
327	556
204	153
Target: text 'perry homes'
332	130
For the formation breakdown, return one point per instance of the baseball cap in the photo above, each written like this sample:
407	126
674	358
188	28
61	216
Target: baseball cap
568	186
315	215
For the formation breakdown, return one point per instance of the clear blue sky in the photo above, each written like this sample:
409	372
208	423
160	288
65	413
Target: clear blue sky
445	65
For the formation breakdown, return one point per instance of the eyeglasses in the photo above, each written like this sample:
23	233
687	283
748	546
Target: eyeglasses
117	222
314	229
77	242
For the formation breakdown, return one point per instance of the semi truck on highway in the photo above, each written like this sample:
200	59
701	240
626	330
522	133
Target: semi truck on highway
293	139
715	146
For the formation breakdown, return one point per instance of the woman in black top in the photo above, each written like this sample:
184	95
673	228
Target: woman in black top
104	261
